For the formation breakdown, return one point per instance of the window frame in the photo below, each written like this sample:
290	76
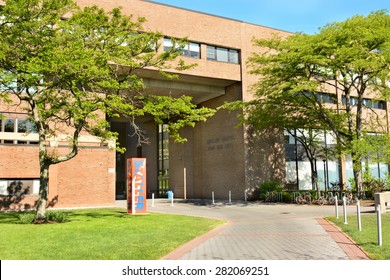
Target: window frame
212	54
186	50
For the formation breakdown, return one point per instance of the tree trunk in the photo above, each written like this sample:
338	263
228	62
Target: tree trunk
357	173
40	215
44	164
314	176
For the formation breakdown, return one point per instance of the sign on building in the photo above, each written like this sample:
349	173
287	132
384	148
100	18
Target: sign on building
136	185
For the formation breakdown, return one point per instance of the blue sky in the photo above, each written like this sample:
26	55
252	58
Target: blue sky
289	15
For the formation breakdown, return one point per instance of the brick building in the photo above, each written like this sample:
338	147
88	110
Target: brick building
218	156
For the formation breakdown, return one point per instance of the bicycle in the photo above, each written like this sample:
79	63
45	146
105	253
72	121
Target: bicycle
320	200
303	198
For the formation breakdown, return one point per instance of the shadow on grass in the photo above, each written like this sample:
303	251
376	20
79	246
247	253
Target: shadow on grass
98	214
10	217
72	215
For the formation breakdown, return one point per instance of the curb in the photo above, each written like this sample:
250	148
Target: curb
353	251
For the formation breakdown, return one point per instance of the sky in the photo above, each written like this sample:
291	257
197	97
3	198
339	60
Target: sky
289	15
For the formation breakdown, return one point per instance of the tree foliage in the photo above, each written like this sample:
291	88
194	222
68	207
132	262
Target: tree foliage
68	68
323	81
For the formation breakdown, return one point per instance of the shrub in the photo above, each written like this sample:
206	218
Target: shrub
271	186
57	216
51	216
26	218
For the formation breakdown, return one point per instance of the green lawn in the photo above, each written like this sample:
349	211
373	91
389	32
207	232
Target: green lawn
99	234
367	239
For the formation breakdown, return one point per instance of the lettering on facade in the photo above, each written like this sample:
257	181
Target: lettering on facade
220	143
136	168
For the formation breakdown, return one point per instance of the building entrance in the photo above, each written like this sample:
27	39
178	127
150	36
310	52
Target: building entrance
163	160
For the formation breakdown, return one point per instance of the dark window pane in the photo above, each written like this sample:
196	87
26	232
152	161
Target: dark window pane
9	125
22	126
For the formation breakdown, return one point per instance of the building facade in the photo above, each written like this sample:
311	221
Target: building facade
218	157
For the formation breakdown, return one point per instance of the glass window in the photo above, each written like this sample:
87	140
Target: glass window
194	49
222	55
211	54
167	44
22	126
9	125
233	56
32	127
191	49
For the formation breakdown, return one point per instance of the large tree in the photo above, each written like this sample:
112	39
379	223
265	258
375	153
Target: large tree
68	68
324	81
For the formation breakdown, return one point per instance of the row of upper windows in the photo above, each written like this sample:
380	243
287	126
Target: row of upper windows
367	102
13	125
216	53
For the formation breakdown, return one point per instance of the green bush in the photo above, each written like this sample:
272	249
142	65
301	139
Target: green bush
57	216
26	218
271	186
51	216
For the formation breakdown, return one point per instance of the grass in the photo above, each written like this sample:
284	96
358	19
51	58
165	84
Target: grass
99	234
367	239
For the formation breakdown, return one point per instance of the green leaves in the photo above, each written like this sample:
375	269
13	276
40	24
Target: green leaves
71	72
177	113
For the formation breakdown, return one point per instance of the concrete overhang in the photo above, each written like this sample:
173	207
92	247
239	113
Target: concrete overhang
200	88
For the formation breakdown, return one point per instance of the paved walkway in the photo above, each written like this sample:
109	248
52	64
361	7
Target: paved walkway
256	231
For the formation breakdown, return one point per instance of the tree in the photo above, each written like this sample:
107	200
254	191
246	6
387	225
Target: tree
324	81
68	68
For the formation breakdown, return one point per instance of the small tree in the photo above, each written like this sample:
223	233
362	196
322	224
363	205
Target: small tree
68	74
350	60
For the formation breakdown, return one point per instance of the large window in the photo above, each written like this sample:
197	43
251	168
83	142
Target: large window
190	49
15	125
369	103
19	187
298	166
222	54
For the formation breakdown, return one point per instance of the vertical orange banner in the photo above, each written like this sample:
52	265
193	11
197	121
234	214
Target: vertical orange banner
136	185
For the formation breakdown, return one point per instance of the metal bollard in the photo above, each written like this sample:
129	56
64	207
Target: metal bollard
345	210
212	198
336	203
230	197
152	199
379	223
359	215
245	195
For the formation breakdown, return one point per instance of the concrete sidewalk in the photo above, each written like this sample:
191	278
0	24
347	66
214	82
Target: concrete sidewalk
257	231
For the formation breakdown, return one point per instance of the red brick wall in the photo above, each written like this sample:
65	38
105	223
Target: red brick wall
86	180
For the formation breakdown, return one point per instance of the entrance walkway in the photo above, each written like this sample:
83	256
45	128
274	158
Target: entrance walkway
257	231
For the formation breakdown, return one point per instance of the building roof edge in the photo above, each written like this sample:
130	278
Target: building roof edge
218	16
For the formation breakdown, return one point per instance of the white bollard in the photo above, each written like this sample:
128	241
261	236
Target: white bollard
379	223
336	203
359	215
212	198
345	210
152	199
230	197
245	195
185	183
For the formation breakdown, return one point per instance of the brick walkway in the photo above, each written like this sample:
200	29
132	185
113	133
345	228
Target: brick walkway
256	231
